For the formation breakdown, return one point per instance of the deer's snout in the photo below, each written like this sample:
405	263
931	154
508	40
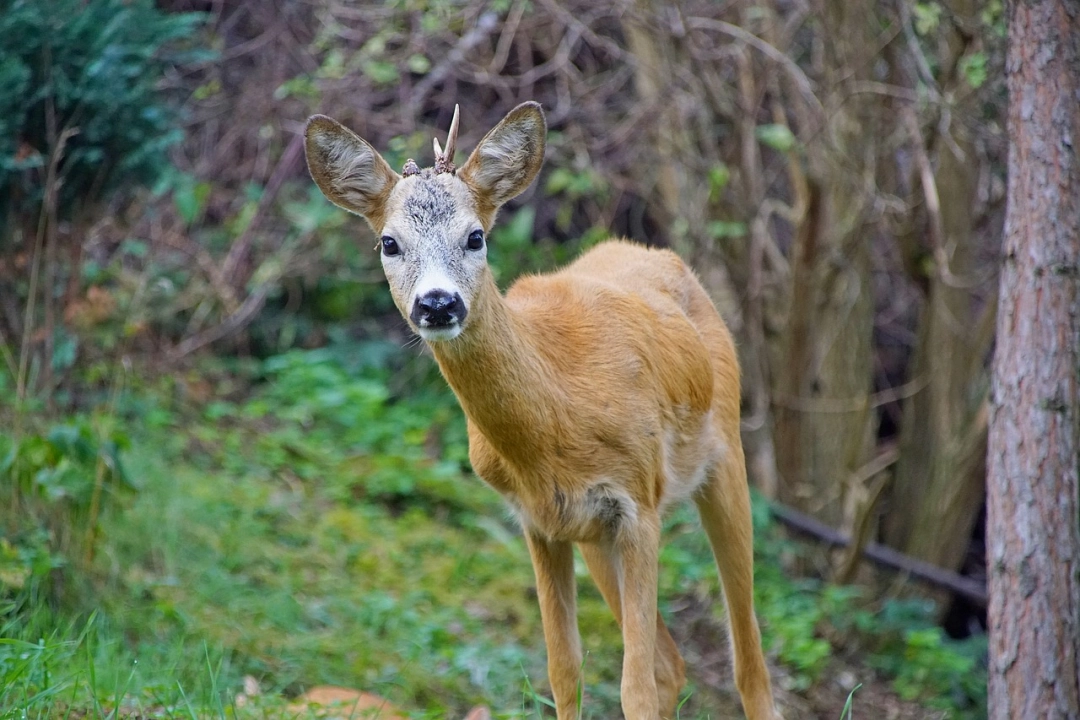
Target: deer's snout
438	309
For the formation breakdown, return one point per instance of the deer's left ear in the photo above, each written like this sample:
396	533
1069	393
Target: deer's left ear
350	173
508	158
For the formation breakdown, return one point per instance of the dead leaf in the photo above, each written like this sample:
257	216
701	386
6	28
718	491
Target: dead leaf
330	703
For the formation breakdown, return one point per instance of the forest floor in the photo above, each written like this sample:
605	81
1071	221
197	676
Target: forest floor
304	521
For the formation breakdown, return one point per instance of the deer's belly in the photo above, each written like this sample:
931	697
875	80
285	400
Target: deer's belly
690	450
596	513
593	496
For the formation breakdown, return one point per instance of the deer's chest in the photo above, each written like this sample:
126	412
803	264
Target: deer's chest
589	493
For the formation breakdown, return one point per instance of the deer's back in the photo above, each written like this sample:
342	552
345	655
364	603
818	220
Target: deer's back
623	299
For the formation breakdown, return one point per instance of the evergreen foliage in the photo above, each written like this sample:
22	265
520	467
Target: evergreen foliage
88	72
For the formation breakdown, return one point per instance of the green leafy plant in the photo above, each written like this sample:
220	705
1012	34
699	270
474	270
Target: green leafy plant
974	68
82	120
929	667
778	137
54	486
927	17
88	69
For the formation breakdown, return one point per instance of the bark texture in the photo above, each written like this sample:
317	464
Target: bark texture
1033	536
939	478
824	423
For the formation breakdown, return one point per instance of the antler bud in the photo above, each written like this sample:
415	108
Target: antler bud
444	159
451	137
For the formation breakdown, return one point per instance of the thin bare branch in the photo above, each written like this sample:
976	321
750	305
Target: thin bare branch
806	88
855	404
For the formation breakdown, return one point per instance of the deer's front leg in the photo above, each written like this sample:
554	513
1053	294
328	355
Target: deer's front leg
638	550
553	563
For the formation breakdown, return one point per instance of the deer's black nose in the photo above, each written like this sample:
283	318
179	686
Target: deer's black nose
438	308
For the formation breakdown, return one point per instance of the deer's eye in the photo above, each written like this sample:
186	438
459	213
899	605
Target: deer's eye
476	240
389	246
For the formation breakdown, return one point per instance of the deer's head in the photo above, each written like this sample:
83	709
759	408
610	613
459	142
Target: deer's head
433	223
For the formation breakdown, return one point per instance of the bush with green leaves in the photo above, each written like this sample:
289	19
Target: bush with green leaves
925	664
87	72
54	486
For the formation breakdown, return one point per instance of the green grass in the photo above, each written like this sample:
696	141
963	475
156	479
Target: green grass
301	536
320	526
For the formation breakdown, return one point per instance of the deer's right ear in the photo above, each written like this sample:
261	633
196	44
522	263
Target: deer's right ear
348	170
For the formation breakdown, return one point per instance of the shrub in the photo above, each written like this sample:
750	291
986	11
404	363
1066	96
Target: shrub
88	71
82	119
53	486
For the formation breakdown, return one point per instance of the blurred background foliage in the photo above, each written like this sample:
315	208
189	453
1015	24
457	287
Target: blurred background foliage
222	454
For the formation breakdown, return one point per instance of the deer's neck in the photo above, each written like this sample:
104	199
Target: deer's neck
502	382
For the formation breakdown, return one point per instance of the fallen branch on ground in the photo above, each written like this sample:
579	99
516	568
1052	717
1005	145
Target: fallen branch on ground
967	587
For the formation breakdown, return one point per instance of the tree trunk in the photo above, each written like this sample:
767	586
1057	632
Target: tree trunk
1033	532
824	423
939	478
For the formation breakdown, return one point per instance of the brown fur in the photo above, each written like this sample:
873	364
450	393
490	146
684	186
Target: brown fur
595	397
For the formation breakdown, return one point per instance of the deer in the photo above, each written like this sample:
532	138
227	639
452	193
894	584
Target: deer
596	397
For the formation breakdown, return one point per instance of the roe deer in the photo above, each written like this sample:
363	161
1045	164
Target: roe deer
596	396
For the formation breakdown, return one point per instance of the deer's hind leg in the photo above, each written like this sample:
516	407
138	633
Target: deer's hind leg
724	505
670	668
